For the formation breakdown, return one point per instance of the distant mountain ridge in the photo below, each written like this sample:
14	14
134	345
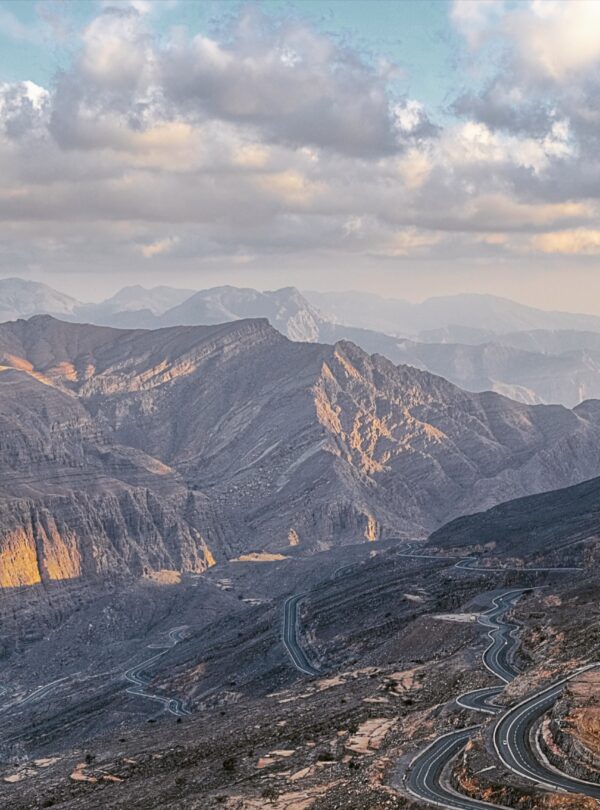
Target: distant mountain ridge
488	313
480	317
534	366
22	299
286	309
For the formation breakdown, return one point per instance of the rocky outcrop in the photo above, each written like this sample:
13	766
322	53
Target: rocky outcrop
570	736
142	449
127	532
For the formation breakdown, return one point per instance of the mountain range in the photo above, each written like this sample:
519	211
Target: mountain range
539	365
187	527
131	450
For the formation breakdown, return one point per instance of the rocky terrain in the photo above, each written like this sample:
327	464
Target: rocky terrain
394	639
167	492
232	438
551	363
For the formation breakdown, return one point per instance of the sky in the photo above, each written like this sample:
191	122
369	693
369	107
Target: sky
404	148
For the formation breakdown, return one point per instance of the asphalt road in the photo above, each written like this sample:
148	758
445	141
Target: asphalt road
40	692
498	656
137	675
290	635
425	776
426	772
481	700
468	564
515	744
424	779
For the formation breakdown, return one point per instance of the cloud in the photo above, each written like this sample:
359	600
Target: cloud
158	247
288	82
581	241
271	138
556	39
547	39
475	19
23	107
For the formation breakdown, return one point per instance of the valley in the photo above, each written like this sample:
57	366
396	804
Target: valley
240	570
387	633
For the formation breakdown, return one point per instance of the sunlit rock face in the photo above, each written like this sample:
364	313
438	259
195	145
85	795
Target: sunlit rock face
128	451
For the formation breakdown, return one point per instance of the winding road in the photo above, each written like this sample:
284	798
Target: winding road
513	737
468	564
40	692
138	677
514	740
290	635
424	779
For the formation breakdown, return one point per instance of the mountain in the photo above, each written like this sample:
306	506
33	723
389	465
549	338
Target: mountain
132	450
535	366
137	672
74	504
133	301
562	522
286	309
21	299
532	377
544	341
527	376
484	313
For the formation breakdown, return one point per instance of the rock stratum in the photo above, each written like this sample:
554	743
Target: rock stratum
131	451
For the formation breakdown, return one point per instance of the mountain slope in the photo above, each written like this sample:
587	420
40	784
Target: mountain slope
557	522
277	442
20	299
526	376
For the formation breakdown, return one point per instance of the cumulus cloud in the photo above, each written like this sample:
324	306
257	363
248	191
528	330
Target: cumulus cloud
288	82
548	39
272	138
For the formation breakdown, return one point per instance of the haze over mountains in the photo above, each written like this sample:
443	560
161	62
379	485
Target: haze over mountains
470	340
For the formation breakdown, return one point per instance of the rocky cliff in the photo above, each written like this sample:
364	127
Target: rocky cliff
128	450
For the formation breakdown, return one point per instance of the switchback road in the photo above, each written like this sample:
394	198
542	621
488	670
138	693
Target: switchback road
138	677
425	775
518	749
516	745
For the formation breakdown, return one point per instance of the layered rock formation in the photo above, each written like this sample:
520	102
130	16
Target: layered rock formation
133	450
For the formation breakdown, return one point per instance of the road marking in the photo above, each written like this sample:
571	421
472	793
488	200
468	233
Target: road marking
134	675
289	635
520	714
